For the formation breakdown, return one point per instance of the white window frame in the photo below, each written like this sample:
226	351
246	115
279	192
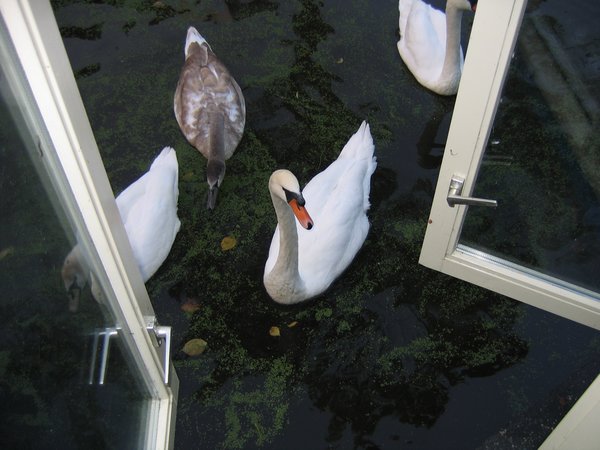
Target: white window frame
491	46
80	175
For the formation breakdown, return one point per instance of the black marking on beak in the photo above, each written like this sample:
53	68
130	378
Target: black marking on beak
289	196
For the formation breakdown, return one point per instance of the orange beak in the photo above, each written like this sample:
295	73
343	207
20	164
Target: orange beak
301	214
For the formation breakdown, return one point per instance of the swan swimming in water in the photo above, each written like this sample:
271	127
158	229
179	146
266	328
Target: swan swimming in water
306	257
148	209
430	43
209	108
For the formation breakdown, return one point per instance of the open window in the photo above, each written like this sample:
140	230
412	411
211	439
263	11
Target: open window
517	203
100	372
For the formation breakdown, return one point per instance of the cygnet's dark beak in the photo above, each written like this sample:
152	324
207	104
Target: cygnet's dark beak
74	292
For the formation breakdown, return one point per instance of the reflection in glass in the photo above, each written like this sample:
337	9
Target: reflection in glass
543	158
61	385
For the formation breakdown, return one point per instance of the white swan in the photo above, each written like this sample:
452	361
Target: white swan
430	43
304	260
209	108
148	209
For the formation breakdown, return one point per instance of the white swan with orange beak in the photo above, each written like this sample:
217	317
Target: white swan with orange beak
308	255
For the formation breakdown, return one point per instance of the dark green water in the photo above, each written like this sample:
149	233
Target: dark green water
392	355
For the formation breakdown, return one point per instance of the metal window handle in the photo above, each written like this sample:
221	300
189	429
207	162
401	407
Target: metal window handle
107	334
163	337
454	197
163	333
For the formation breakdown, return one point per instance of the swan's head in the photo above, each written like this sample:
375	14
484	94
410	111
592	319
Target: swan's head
284	185
73	277
464	5
193	36
215	172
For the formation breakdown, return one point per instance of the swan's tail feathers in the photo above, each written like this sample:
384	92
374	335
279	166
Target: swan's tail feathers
360	145
194	36
166	158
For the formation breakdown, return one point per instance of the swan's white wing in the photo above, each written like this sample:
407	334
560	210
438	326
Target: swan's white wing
404	8
340	195
151	213
167	158
130	195
423	44
340	223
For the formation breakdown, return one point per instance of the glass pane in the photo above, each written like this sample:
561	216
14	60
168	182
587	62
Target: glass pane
542	159
52	347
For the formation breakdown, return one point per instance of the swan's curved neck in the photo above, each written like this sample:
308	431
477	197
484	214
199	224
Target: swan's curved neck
452	58
284	280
